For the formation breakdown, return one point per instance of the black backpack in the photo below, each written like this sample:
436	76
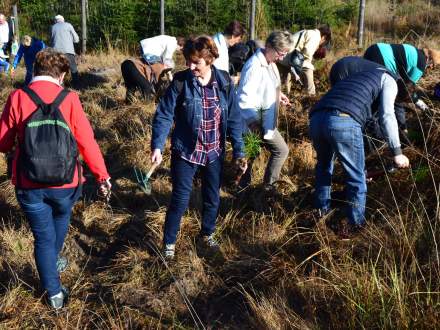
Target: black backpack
49	153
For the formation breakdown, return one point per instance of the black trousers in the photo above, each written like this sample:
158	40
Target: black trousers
134	80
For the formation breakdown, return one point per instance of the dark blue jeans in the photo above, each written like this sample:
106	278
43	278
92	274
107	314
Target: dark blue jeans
48	212
337	135
182	174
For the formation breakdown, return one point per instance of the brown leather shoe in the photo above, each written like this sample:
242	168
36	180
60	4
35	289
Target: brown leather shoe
348	231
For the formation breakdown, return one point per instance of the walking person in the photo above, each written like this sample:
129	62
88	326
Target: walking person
28	49
63	37
47	186
232	35
259	96
200	103
337	123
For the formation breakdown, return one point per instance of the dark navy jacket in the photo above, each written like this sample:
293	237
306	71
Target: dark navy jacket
182	106
349	65
354	95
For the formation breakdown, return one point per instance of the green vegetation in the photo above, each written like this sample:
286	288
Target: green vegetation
252	144
125	22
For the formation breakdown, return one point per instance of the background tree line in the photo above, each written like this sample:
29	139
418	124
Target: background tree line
122	23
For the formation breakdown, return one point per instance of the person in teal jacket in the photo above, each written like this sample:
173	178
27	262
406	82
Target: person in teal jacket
28	49
409	62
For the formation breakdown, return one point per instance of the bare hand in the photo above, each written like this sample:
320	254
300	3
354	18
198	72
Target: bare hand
241	164
104	189
12	73
401	161
284	100
156	157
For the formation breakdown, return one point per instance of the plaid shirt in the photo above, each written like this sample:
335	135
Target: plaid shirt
208	141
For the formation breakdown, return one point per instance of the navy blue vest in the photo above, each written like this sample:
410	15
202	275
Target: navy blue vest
350	65
353	95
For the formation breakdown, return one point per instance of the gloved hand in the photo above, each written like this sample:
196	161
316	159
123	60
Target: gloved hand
422	105
401	161
104	189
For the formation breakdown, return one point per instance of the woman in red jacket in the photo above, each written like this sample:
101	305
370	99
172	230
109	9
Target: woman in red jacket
48	207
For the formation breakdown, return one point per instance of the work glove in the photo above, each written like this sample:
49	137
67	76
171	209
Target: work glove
421	105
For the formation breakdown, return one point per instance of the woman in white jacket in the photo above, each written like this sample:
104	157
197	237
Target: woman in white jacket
259	96
307	42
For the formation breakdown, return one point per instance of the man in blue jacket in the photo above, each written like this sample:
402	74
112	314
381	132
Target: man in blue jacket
336	128
28	49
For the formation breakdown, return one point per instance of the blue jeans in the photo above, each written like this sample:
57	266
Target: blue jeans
182	174
29	75
48	212
338	135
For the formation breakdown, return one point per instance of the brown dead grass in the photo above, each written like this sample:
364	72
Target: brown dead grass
278	268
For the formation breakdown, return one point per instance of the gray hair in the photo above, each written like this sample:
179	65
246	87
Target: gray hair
279	40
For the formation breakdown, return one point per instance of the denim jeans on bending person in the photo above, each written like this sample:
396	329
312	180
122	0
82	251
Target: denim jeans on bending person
335	134
182	174
48	212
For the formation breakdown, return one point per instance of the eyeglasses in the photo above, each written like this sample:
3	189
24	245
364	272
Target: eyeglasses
280	54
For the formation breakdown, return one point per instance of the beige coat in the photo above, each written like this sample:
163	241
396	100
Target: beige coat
307	45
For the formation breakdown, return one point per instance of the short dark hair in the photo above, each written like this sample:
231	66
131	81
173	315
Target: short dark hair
181	41
326	32
200	47
234	28
49	62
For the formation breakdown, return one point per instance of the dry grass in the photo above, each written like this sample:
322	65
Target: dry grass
278	268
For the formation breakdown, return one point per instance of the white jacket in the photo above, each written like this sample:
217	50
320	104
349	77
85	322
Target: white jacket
4	33
222	62
161	45
258	93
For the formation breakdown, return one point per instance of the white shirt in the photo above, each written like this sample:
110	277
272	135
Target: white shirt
162	45
222	62
257	93
4	33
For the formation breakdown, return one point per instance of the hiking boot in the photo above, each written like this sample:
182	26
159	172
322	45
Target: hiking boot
348	231
208	241
169	251
62	264
59	300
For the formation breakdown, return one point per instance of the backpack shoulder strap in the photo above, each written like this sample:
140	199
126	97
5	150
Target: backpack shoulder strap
34	96
227	77
60	98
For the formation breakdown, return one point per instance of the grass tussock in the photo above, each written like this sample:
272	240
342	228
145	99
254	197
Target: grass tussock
279	266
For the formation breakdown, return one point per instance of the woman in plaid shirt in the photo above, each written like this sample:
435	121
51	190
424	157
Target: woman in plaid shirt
200	103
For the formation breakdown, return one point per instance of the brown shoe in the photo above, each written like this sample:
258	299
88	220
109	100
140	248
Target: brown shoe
348	231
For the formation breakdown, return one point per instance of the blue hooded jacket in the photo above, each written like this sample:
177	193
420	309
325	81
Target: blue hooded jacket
29	53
